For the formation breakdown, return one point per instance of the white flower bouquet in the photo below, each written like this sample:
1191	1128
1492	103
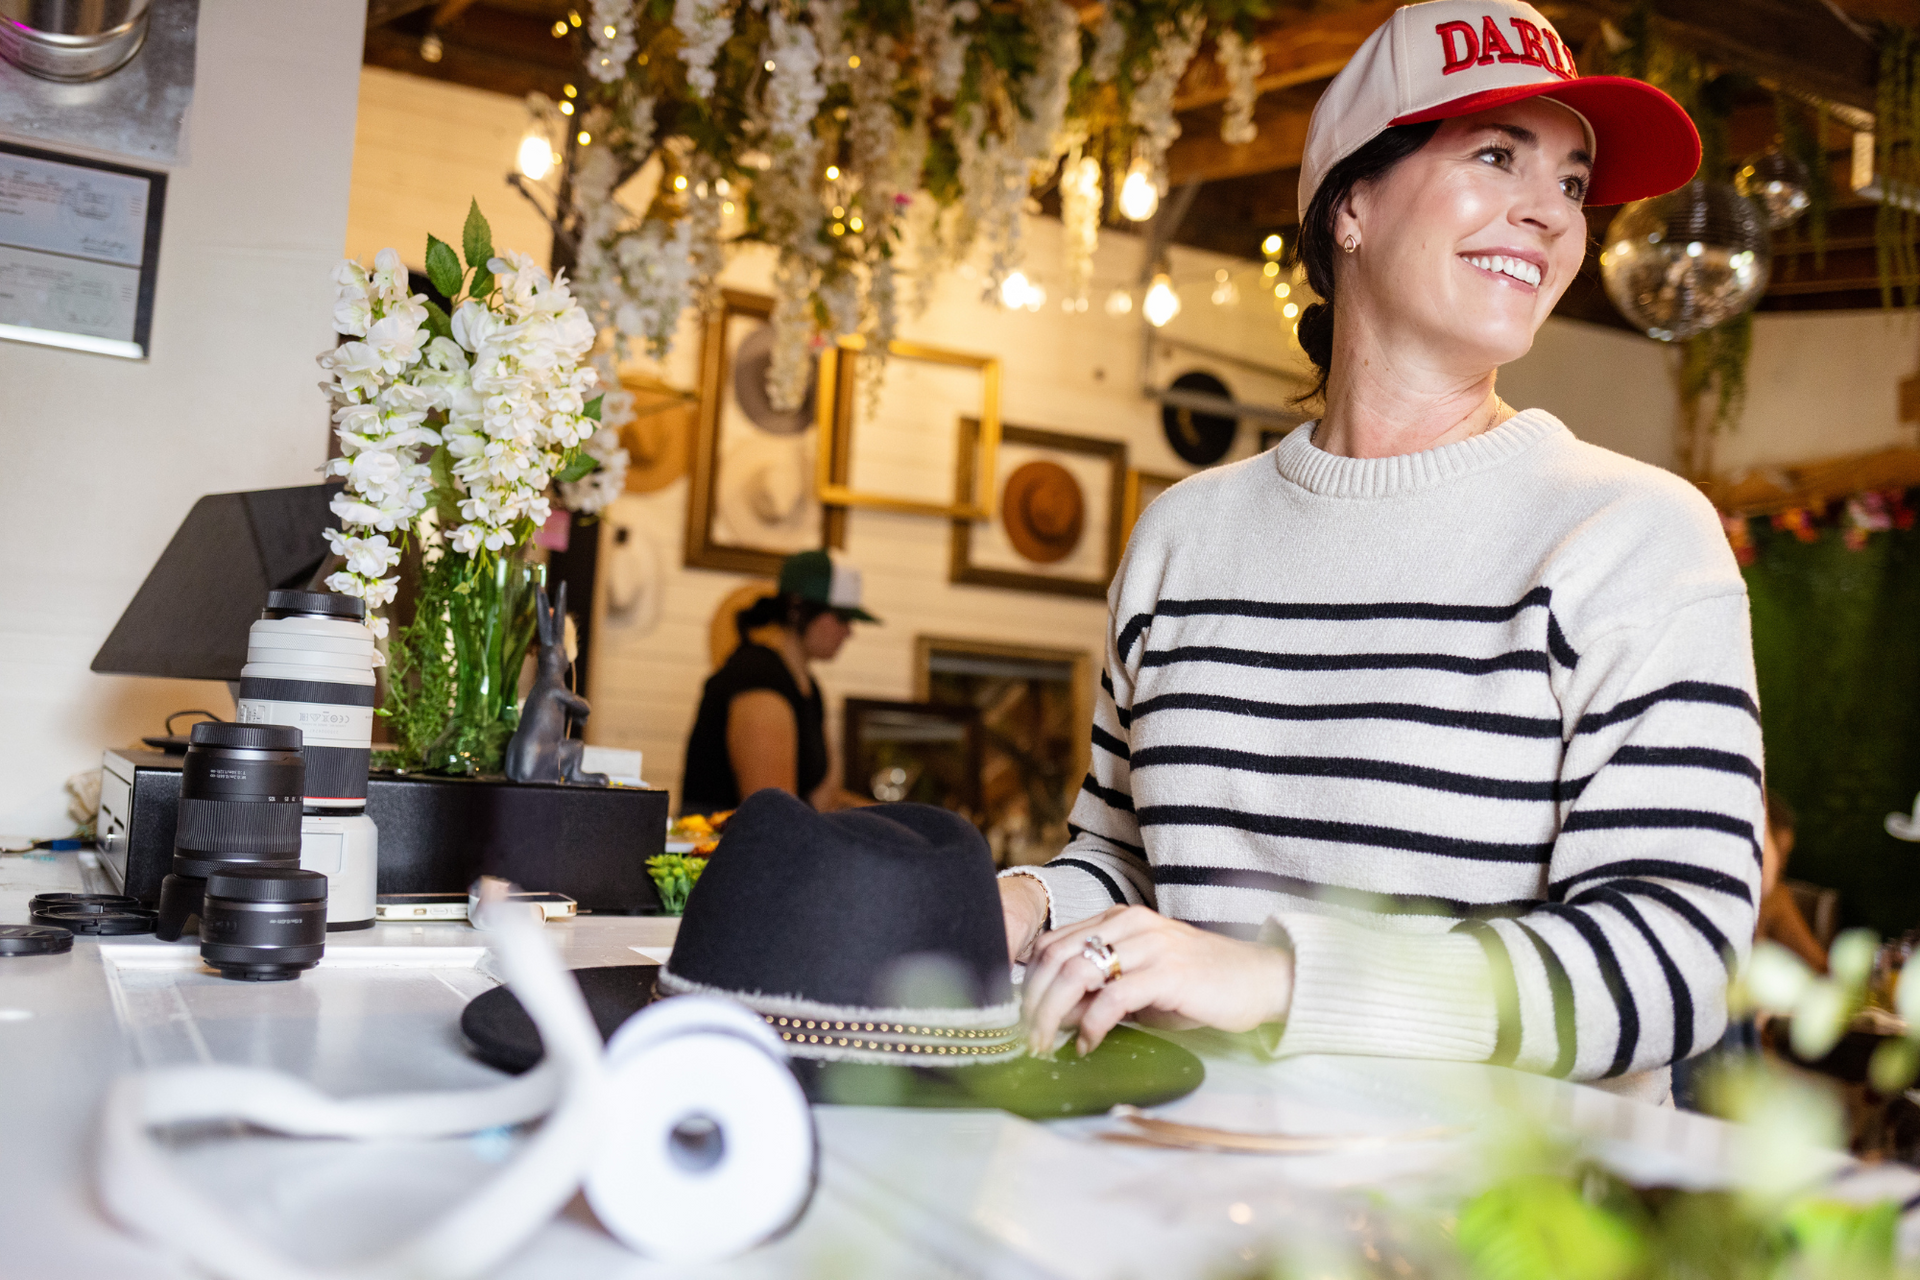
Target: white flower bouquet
453	428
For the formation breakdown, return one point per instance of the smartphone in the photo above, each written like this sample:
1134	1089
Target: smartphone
420	906
553	906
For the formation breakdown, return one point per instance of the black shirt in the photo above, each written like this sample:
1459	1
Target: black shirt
708	785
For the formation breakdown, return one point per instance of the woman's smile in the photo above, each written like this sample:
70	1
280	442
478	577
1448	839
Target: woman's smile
1514	268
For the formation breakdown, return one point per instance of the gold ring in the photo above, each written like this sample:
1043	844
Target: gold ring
1101	955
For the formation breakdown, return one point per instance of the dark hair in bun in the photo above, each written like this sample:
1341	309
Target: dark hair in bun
1316	248
787	610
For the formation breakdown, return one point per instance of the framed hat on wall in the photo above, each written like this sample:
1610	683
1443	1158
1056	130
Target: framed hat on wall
1056	522
752	500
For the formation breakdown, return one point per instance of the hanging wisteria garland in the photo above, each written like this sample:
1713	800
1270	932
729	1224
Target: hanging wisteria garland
819	127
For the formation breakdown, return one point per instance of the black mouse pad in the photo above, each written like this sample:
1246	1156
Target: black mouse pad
1130	1065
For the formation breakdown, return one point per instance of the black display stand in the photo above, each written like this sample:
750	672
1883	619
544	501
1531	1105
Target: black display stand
437	835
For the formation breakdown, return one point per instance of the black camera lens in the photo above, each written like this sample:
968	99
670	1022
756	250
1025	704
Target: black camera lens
264	924
240	798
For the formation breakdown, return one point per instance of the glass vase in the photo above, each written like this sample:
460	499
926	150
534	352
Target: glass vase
491	620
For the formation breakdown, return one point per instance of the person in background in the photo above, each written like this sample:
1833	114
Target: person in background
762	722
1780	918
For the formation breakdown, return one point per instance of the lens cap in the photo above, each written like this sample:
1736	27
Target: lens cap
41	901
97	920
33	940
315	604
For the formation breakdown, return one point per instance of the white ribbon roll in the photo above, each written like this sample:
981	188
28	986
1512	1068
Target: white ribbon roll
667	1082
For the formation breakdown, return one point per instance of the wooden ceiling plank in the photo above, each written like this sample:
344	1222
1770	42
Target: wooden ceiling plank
1298	52
1200	155
381	12
449	11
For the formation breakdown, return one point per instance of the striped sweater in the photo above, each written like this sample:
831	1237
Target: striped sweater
1474	727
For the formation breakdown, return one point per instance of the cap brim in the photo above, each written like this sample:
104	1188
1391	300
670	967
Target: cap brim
853	615
1644	142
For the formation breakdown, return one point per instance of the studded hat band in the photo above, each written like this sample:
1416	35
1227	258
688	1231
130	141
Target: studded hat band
845	1033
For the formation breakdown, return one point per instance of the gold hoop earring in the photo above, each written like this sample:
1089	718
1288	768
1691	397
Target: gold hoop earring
1350	244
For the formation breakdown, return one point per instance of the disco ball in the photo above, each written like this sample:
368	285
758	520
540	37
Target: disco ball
1682	263
1777	183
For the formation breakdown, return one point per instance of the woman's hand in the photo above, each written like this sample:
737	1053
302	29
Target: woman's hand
1173	973
1023	903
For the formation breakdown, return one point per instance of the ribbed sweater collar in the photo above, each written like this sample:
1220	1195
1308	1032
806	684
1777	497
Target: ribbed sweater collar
1332	476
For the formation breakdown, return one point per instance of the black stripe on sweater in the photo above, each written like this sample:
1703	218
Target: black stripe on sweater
1401	904
1685	872
1675	903
1560	992
1277	611
1463	784
1285	826
1615	980
1110	744
1676	983
1411	712
1662	820
1722	695
1098	873
1689	758
1517	660
1506	993
1107	795
1557	645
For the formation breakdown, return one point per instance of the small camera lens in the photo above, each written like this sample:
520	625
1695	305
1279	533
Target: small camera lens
240	794
264	924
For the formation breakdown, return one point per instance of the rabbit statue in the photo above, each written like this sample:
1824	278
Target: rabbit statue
540	750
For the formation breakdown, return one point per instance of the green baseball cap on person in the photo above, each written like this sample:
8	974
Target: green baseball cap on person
817	577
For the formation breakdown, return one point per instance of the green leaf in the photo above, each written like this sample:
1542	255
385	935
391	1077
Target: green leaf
482	284
445	488
1538	1227
583	464
592	409
438	324
477	239
443	268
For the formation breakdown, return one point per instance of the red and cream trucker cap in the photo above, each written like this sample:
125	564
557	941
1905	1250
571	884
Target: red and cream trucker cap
1452	58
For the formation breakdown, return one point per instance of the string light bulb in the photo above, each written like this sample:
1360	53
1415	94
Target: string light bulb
566	108
1013	291
1161	304
583	138
536	156
1119	303
1271	246
1139	200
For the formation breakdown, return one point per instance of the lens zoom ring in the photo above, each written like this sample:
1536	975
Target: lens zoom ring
235	826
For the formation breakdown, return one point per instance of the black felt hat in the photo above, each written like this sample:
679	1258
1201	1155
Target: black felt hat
872	942
871	935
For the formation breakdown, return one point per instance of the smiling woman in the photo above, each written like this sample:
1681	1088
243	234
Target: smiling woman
1431	731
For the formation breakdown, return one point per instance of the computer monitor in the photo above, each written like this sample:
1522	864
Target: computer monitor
190	617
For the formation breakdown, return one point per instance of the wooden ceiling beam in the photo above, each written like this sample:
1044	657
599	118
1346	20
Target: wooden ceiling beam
381	12
1199	154
488	49
1798	43
1298	52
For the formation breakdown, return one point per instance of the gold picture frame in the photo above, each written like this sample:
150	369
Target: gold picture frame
708	546
1141	484
1109	456
973	499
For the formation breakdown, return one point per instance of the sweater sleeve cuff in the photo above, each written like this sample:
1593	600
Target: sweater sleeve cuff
1072	894
1380	994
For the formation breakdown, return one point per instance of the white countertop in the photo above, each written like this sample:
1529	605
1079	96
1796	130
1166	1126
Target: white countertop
903	1193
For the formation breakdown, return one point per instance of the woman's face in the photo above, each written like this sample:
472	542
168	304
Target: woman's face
1465	246
823	636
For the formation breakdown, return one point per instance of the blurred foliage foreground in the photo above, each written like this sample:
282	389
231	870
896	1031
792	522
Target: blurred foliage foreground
1551	1211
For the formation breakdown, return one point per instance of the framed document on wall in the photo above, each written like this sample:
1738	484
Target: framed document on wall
79	249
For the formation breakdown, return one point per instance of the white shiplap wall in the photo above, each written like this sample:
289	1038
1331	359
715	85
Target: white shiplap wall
1074	373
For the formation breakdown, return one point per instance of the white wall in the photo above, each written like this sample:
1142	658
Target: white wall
100	458
421	150
1822	384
